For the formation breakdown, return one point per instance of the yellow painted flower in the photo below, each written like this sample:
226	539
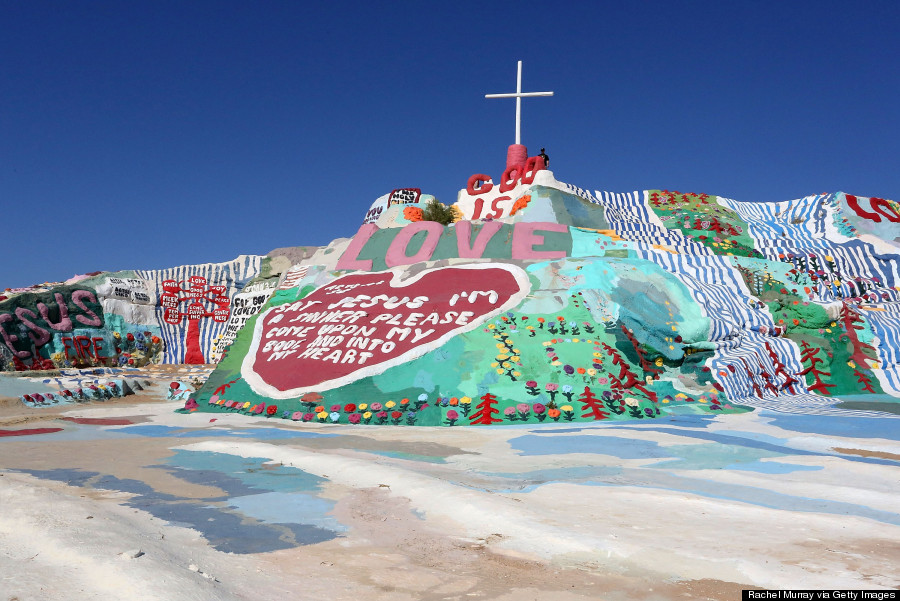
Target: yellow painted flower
632	402
390	404
491	326
247	405
499	371
659	361
322	414
500	345
367	415
117	336
556	363
363	406
517	374
502	357
592	372
566	408
465	400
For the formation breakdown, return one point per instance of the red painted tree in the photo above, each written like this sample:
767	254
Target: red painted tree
627	379
486	410
592	406
199	296
642	354
861	378
850	318
809	354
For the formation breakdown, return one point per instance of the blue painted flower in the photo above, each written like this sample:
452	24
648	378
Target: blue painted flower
423	397
566	388
139	336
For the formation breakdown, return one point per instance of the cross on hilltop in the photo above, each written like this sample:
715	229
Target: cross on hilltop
518	95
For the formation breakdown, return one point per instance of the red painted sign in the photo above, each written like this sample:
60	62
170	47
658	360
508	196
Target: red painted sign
361	324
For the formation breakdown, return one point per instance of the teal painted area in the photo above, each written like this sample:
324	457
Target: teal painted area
615	446
722	456
288	507
586	243
253	472
410	456
570	209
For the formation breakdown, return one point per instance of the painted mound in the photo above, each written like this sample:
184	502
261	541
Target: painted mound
547	303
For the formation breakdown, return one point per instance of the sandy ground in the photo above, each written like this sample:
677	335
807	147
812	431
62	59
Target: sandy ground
128	500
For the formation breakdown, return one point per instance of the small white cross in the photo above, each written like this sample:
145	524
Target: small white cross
519	95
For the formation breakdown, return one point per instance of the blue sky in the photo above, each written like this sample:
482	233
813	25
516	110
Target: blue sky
139	135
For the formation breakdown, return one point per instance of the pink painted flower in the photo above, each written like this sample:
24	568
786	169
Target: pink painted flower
509	411
308	417
551	387
376	407
451	414
538	408
354	418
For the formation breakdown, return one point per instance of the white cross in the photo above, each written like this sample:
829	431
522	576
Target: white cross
519	95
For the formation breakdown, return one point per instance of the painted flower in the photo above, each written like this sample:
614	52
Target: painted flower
334	416
130	337
451	414
367	415
554	414
308	417
376	407
551	387
531	384
509	411
271	409
319	409
349	408
335	408
297	416
363	406
390	405
354	418
632	402
538	408
322	415
465	400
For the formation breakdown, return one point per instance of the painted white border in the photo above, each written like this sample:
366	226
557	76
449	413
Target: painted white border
263	388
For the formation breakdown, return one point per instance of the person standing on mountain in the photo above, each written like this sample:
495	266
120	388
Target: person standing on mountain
544	156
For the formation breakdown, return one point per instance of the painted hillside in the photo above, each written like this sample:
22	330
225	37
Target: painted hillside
548	303
541	303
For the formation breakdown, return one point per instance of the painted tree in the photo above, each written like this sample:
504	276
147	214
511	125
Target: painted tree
486	411
203	301
592	406
861	378
809	354
627	378
642	354
781	370
756	389
851	320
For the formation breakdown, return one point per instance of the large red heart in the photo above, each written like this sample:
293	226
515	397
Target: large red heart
363	323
